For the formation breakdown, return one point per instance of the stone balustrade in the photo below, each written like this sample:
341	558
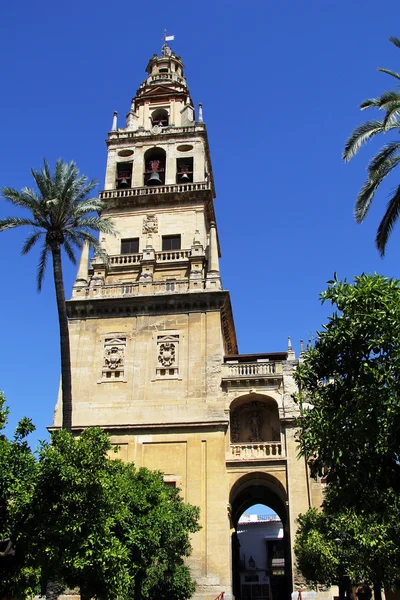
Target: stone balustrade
172	255
170	130
115	260
137	288
254	451
251	370
175	188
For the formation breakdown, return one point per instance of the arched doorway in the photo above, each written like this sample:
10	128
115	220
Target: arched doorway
274	581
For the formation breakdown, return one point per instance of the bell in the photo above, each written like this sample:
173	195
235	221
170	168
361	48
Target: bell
124	182
184	177
154	179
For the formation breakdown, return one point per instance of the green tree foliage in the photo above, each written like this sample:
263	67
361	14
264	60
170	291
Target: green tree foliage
89	522
18	470
387	159
60	214
349	386
367	546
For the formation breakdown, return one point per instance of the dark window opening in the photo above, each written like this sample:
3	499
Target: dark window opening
170	285
124	175
130	246
154	167
171	242
184	170
160	117
164	70
171	484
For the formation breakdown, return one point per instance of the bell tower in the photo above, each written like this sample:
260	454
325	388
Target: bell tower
154	355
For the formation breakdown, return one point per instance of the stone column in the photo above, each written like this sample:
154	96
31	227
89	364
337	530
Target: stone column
213	275
82	275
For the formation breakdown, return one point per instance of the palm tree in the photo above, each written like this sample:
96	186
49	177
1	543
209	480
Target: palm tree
60	216
384	162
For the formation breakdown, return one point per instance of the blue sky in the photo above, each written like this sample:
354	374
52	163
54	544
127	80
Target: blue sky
280	84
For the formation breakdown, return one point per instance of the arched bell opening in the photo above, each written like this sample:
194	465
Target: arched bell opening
154	160
261	565
160	116
254	418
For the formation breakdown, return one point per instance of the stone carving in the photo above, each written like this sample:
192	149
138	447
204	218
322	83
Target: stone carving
150	224
255	421
113	357
114	354
166	354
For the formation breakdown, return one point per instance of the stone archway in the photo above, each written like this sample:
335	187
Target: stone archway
254	418
261	488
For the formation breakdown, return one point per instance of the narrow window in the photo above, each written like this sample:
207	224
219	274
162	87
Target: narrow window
130	246
124	175
184	170
171	242
170	285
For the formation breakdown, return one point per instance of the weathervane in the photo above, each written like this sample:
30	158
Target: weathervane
166	50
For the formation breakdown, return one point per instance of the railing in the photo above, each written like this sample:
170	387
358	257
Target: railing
124	259
137	288
251	369
122	134
254	451
169	76
152	190
172	255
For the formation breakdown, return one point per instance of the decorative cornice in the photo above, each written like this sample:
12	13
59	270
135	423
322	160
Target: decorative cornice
132	428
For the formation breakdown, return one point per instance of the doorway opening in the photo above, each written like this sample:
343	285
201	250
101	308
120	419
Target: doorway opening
261	567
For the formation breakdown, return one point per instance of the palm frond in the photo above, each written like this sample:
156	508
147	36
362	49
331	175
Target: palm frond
31	241
388	97
378	162
388	222
12	222
395	41
79	237
389	72
42	266
392	116
24	199
97	224
370	103
85	190
69	251
367	192
360	135
88	206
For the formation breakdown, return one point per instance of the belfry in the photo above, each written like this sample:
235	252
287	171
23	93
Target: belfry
155	360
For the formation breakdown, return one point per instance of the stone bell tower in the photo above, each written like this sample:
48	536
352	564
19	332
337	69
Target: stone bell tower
154	353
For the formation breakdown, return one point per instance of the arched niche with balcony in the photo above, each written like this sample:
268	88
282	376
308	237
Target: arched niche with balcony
160	117
154	161
254	418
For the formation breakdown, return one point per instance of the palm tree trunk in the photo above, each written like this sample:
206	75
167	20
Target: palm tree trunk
64	338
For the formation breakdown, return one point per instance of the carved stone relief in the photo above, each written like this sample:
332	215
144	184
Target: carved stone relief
255	421
113	357
150	224
167	355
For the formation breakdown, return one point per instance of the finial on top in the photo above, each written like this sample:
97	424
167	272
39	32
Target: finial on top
114	121
200	118
301	346
166	50
289	344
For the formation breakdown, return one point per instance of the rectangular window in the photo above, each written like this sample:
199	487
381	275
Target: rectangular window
170	484
170	285
184	170
130	246
171	242
124	175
